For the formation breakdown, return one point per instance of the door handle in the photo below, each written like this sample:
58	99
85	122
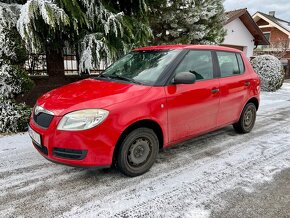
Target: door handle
247	83
215	90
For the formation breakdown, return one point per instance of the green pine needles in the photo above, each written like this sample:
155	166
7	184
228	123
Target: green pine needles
188	21
102	30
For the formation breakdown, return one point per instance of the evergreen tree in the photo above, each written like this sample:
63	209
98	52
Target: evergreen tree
104	30
100	29
13	1
13	78
188	21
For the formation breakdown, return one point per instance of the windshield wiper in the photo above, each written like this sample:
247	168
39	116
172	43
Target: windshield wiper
120	78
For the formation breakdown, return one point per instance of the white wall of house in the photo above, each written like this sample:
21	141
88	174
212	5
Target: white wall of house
239	35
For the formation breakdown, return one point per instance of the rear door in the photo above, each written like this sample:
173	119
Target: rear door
193	108
234	85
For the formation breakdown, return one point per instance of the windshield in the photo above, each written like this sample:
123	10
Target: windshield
142	67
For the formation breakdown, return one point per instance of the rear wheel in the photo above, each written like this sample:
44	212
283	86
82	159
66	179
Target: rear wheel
138	152
247	119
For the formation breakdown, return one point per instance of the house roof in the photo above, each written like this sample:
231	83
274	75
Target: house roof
279	23
232	15
250	24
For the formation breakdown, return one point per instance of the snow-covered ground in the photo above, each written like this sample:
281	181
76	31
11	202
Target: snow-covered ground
187	180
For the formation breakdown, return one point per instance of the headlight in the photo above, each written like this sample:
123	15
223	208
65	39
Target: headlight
82	119
39	109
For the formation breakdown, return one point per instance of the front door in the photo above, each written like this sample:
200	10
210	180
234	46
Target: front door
193	108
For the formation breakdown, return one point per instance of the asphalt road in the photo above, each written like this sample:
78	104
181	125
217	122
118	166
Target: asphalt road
271	199
221	174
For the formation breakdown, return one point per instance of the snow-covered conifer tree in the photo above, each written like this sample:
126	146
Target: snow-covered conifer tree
13	78
99	29
188	21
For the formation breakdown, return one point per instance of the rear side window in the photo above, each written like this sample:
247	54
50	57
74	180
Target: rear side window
197	62
229	64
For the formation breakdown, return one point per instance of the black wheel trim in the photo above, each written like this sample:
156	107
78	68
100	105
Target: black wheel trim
131	152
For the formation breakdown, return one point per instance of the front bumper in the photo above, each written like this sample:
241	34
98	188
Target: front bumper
88	148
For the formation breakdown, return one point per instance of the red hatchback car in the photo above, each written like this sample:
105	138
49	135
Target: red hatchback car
150	99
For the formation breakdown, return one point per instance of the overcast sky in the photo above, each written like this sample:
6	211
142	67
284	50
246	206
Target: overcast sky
282	7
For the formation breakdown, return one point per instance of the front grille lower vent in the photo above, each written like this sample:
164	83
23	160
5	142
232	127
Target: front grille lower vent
41	148
69	153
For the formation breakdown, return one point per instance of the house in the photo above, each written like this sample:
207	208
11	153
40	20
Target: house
242	32
277	31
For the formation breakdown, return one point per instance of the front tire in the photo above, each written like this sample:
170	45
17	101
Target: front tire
138	152
247	119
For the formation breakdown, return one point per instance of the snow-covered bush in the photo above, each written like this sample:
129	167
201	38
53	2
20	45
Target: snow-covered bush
271	72
13	78
13	81
13	117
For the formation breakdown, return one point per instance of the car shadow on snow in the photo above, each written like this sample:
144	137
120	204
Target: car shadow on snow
176	155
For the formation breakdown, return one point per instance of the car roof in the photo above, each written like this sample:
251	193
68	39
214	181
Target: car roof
197	47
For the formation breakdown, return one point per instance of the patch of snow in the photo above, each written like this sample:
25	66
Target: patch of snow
197	213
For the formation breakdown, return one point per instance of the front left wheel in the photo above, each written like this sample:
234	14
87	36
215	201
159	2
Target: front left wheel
138	152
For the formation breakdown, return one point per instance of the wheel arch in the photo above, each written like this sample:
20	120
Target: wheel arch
151	124
255	101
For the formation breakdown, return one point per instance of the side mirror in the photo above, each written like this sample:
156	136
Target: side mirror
184	78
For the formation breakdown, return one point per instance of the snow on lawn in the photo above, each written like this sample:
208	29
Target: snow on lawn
271	101
186	180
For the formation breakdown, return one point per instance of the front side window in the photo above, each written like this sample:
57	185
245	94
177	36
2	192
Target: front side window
199	63
144	67
228	63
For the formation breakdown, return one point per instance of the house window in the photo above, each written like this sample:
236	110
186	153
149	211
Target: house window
36	64
267	36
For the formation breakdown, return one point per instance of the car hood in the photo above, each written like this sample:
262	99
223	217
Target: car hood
89	93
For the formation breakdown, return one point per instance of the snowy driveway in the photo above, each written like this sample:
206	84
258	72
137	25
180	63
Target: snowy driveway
188	180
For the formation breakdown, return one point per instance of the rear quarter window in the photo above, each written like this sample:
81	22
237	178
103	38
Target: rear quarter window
230	64
241	63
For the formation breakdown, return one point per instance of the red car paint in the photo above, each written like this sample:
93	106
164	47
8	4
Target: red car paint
181	111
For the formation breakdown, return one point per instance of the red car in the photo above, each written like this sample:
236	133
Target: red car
150	99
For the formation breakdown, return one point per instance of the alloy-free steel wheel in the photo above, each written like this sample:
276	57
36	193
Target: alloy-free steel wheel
138	152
